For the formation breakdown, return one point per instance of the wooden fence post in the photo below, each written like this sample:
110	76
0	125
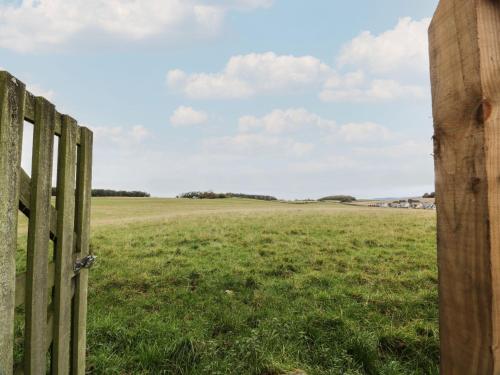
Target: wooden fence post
465	71
11	135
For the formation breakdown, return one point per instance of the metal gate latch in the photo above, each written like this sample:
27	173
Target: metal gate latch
86	262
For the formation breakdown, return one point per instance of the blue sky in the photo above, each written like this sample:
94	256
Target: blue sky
297	99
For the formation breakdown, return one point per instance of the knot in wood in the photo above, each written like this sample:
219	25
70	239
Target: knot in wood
483	111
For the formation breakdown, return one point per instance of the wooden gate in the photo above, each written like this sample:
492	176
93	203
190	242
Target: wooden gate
53	291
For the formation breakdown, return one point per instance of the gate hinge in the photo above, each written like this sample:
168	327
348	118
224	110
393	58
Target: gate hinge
86	262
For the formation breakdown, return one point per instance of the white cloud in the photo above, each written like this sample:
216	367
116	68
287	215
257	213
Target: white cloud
185	116
376	90
404	47
270	71
365	132
247	75
208	86
258	145
325	164
404	149
351	79
279	121
176	78
244	4
253	3
295	120
33	25
139	133
270	134
390	66
120	135
295	132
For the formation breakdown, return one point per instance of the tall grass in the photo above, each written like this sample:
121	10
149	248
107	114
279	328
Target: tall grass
261	288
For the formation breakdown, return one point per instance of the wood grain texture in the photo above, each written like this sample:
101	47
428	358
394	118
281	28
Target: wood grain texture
464	50
82	228
38	238
12	93
65	203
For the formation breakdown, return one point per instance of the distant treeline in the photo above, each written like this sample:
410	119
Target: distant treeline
429	195
119	193
113	193
338	198
212	195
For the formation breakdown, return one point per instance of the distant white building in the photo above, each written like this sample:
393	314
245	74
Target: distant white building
413	204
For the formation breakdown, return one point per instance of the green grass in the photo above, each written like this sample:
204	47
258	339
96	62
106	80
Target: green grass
247	287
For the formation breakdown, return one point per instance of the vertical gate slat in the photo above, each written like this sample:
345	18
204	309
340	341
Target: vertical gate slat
82	223
64	246
38	238
12	93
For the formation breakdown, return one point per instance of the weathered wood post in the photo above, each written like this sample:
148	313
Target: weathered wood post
465	71
11	135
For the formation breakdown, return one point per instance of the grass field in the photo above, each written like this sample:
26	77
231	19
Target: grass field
248	287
